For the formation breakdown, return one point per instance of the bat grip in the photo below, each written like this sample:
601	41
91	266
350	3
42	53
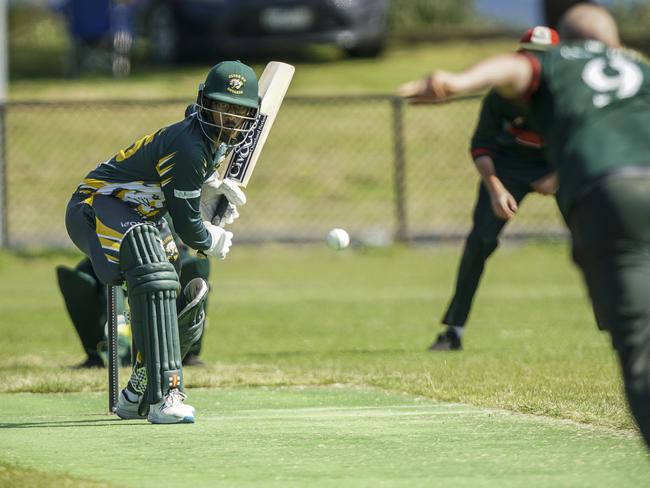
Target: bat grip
222	206
219	212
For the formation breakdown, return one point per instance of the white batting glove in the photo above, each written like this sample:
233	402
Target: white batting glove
211	192
221	241
230	215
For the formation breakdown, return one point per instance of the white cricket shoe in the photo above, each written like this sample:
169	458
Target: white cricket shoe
171	409
126	409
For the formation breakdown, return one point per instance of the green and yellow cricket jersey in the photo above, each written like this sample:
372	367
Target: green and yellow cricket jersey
162	172
504	133
592	106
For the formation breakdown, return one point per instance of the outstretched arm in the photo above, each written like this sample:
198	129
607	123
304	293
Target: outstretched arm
510	74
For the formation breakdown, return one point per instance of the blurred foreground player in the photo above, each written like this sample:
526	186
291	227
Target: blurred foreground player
590	99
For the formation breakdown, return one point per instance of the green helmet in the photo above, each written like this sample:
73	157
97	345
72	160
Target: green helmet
232	82
229	82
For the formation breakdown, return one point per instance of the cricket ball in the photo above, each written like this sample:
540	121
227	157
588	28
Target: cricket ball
338	239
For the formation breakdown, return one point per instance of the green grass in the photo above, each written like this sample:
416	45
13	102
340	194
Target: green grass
309	316
322	437
359	321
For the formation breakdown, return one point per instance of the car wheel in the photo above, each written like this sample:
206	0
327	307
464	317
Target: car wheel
163	34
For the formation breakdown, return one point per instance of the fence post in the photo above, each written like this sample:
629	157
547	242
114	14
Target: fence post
4	236
4	9
399	181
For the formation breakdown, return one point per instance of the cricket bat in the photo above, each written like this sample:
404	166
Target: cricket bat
272	86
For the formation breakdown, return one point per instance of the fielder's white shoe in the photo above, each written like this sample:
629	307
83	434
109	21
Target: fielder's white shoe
126	409
171	409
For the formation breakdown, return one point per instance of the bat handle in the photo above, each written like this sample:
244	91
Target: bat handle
222	206
219	212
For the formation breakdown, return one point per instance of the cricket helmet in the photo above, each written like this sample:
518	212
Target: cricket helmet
235	84
539	38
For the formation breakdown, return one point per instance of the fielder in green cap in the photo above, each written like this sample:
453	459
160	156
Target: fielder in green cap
114	217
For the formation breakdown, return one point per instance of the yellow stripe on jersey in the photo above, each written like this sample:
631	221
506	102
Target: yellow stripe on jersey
94	183
133	148
165	181
161	163
106	231
112	259
109	244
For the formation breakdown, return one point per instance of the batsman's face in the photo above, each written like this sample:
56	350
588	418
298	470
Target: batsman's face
226	122
230	117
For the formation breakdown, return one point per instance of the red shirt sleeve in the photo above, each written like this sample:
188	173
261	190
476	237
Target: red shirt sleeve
477	152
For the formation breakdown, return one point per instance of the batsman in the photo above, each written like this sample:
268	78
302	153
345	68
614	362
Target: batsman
114	214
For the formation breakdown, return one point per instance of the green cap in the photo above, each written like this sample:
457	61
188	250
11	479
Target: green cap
232	82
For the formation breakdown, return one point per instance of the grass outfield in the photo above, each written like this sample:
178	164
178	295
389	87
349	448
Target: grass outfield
321	437
309	317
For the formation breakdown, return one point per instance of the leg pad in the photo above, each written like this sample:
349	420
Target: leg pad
152	286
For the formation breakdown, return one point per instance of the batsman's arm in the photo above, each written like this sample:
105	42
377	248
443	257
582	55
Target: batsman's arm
182	192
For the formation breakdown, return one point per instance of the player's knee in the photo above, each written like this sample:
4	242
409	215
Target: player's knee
481	244
144	262
109	275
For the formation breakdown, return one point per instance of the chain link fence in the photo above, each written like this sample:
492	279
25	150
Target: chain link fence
381	169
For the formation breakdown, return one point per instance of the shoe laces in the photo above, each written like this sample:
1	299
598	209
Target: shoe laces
174	398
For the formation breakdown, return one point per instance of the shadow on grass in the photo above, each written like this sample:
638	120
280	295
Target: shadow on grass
66	423
333	352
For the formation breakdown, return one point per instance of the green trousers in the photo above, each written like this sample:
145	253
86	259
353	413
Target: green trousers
610	228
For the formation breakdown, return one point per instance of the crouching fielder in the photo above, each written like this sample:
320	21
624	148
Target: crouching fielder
113	214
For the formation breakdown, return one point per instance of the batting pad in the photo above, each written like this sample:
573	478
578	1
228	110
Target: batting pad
152	287
191	319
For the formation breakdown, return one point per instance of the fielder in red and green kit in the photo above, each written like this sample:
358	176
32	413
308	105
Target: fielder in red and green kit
590	100
508	156
114	216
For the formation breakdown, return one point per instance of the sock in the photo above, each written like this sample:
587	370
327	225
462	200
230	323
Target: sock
458	330
130	396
